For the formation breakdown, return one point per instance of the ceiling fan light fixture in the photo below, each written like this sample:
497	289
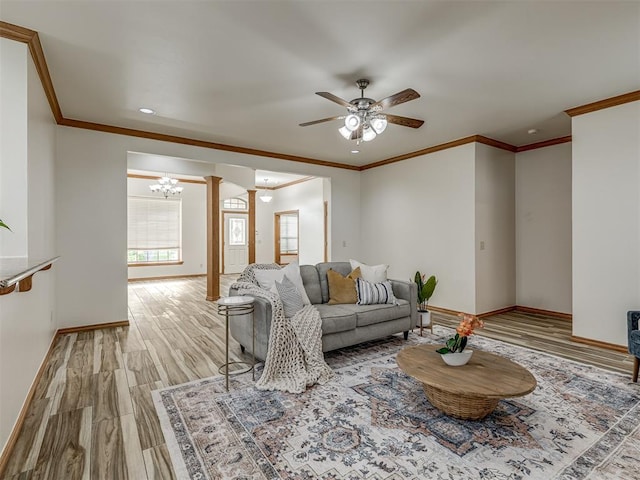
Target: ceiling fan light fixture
364	119
352	122
368	133
379	123
345	132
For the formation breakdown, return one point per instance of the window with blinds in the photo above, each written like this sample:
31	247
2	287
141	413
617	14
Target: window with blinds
154	230
289	234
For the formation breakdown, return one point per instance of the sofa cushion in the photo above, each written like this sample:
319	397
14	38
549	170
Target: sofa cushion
336	318
634	340
343	268
372	314
311	282
342	289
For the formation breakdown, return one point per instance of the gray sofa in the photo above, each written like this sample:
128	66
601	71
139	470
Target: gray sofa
342	325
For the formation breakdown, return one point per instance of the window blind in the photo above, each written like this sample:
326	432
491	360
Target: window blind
289	233
153	223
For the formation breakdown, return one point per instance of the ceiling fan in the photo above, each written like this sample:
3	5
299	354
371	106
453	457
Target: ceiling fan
364	119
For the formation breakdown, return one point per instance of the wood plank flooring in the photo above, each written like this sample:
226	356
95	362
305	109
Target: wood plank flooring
93	417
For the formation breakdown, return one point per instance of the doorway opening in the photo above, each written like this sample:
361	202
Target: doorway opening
286	237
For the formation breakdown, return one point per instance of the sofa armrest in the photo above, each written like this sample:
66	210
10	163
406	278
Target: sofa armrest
242	329
407	291
632	324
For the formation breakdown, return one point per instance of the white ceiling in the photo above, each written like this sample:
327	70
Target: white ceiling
244	72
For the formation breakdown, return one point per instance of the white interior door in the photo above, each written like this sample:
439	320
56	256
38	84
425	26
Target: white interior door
236	247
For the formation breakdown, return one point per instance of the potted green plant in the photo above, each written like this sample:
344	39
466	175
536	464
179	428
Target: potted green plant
425	291
4	225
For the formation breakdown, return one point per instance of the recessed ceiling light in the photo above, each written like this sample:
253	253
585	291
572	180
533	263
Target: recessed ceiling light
148	111
355	151
532	131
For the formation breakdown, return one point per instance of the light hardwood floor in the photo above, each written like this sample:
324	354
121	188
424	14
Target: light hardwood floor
93	417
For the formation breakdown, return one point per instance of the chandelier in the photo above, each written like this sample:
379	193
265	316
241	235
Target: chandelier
166	186
266	196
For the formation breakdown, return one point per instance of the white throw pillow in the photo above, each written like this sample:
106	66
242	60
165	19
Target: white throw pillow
371	273
267	278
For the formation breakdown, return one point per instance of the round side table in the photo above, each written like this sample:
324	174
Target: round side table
231	307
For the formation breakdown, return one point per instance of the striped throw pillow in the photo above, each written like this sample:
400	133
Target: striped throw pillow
374	293
290	297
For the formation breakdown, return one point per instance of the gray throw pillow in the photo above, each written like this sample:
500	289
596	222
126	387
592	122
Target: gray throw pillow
290	297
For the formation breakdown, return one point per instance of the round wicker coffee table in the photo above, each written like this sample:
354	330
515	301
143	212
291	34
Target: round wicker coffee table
470	392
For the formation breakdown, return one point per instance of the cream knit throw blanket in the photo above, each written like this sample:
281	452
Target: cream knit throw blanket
294	356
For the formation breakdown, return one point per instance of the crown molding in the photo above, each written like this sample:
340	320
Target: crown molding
495	143
284	185
177	177
163	137
31	38
606	103
545	143
443	146
418	153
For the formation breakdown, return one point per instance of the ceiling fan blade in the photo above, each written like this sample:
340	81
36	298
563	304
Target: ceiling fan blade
322	120
404	121
397	99
333	98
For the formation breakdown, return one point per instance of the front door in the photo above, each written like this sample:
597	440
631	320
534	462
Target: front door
236	248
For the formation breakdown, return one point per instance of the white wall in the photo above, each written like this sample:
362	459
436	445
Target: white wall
495	229
91	191
91	213
194	230
606	221
265	249
326	195
13	146
27	320
419	214
543	228
306	197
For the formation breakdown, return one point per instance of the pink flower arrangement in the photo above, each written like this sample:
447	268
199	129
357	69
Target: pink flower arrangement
467	325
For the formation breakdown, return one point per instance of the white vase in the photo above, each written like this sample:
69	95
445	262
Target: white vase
457	359
424	320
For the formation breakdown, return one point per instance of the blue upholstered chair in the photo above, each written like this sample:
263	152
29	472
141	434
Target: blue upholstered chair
634	340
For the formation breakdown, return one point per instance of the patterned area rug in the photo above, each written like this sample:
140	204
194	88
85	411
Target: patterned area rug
374	422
